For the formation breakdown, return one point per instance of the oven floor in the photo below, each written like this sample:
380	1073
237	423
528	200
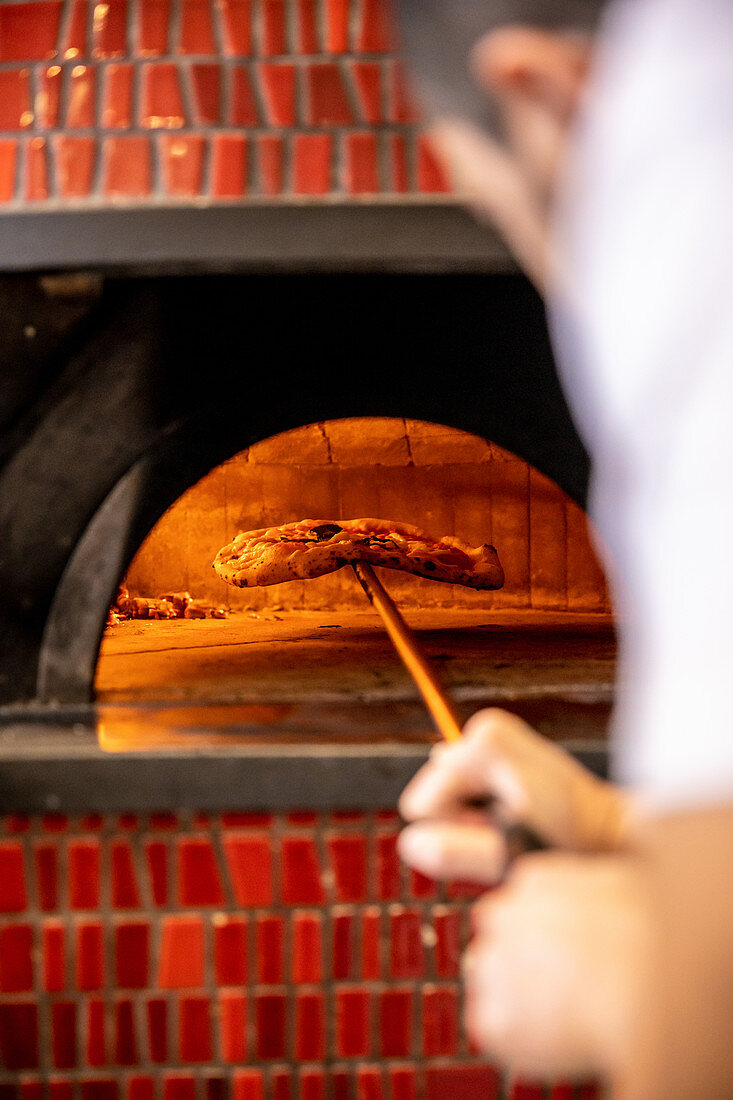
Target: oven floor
313	657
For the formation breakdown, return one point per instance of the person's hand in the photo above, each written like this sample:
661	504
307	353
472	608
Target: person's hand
554	971
529	780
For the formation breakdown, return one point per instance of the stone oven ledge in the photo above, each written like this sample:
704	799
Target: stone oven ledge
383	236
57	765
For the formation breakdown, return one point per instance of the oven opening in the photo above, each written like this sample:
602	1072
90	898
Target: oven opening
187	658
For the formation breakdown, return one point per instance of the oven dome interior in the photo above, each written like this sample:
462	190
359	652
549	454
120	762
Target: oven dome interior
319	639
445	481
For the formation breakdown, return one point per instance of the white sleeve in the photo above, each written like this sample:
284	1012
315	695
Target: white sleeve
652	245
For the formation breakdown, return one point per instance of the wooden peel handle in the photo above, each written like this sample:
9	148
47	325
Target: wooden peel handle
408	647
518	837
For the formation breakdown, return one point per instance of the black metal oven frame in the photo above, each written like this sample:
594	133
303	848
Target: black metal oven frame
119	391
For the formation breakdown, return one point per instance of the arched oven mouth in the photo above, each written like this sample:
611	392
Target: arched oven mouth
150	395
186	655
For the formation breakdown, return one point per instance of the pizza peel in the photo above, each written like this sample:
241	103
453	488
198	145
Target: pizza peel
408	647
518	838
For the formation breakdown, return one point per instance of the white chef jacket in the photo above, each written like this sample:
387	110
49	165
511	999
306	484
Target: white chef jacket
643	326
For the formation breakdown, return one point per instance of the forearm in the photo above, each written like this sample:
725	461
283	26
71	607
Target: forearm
682	1047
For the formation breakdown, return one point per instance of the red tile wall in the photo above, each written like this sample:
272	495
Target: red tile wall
241	957
232	100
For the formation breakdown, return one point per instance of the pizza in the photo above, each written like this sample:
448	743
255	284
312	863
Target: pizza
313	547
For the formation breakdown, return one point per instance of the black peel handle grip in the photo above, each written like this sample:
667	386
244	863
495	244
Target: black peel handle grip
519	839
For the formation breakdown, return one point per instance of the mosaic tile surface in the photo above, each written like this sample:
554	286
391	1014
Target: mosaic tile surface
241	957
148	101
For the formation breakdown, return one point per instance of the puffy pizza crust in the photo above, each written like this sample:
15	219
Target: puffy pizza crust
313	547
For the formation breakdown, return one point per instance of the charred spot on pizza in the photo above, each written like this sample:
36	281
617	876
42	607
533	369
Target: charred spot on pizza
428	565
383	542
325	531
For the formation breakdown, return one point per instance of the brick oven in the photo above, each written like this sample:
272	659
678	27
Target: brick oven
292	645
236	290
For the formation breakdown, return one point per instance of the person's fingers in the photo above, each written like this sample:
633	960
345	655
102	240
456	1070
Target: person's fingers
499	746
475	853
526	779
540	65
486	762
441	787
